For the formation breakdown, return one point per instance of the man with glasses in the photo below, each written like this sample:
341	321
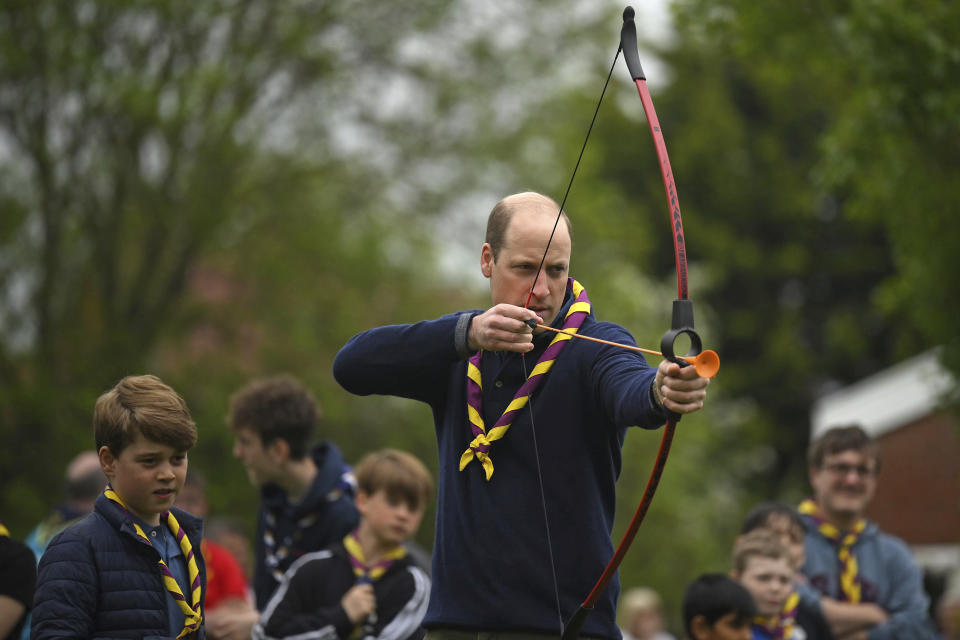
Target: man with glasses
864	580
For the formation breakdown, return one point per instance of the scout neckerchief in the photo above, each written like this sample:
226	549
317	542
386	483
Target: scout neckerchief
277	551
780	626
844	541
3	532
192	613
480	446
368	573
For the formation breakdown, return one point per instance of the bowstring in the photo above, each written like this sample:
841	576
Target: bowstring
523	358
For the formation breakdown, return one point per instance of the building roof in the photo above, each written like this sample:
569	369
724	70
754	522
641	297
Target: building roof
886	400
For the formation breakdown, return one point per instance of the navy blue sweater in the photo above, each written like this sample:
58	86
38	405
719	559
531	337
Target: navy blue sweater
491	566
98	579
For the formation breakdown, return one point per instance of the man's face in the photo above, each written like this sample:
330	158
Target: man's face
147	475
256	459
769	581
844	484
511	273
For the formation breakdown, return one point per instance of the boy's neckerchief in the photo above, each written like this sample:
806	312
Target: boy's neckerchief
844	541
193	616
780	626
4	533
275	553
480	446
368	574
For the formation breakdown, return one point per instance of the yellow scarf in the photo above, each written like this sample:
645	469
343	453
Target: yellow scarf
849	571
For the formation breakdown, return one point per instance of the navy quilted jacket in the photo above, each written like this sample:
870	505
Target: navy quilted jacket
97	579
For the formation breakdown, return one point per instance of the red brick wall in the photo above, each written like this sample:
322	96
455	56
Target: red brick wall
918	491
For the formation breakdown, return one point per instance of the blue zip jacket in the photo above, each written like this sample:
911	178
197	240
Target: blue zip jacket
98	579
491	563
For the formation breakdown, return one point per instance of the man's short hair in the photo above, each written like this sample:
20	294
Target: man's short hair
399	474
279	407
840	439
762	515
503	211
714	595
142	405
759	543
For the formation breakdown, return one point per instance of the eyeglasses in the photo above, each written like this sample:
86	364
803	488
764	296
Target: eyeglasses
843	470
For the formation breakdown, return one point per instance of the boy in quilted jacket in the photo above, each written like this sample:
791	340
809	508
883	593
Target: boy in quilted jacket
132	568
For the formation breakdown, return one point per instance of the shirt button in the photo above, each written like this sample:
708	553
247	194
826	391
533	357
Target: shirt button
498	384
153	533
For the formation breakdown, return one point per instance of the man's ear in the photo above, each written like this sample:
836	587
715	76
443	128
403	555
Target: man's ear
108	462
486	259
279	450
700	628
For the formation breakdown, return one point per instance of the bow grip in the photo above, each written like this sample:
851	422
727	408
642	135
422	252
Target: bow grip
681	324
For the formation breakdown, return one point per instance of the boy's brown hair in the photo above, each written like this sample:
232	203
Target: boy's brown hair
277	407
399	474
758	543
142	405
840	439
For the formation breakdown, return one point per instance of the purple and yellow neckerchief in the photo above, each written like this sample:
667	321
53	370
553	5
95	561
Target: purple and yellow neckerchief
780	626
193	616
844	540
369	572
276	552
479	448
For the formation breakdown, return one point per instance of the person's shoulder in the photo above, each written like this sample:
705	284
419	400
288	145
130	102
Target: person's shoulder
87	529
889	544
77	545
